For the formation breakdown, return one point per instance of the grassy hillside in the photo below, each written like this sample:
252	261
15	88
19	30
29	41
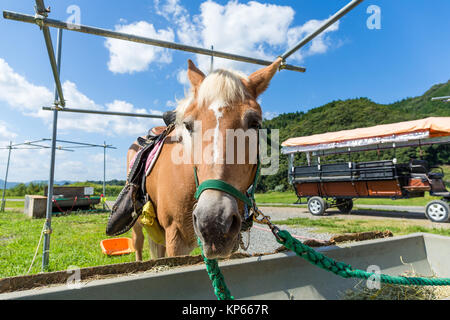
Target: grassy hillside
357	113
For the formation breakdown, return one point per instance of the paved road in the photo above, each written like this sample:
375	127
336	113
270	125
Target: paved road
385	211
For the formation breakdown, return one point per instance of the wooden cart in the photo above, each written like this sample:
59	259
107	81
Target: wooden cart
337	184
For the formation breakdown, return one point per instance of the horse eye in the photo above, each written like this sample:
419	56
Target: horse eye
189	126
254	125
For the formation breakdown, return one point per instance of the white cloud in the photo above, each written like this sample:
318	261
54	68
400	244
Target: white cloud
171	104
319	45
5	132
169	8
269	115
115	167
251	29
128	57
19	93
107	125
182	77
187	27
134	126
29	98
243	29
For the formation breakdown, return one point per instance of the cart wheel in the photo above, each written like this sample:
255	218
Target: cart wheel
317	206
437	211
344	205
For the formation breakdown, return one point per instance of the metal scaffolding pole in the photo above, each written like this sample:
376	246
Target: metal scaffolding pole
2	209
322	27
34	145
83	144
211	66
110	113
133	38
41	15
48	222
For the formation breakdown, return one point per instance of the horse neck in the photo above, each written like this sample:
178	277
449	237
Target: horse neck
168	181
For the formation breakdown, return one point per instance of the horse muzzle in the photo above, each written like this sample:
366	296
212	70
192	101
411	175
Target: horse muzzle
217	223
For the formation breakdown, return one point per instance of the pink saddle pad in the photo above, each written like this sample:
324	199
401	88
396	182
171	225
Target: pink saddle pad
153	155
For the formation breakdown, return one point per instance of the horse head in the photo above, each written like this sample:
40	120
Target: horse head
218	125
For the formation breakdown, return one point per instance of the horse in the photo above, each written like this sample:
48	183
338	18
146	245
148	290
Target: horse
222	101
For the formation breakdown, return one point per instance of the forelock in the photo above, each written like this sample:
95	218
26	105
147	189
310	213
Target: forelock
222	85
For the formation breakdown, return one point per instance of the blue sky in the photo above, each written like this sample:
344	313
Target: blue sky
404	58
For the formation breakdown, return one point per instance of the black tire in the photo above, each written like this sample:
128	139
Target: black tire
437	211
317	206
345	206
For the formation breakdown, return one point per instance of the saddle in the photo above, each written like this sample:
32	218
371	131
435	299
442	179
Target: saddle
132	198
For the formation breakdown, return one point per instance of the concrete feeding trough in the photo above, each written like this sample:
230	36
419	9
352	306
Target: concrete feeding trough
276	276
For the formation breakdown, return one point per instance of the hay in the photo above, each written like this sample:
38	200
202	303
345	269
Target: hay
397	292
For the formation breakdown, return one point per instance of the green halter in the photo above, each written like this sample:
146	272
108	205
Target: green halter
212	266
248	198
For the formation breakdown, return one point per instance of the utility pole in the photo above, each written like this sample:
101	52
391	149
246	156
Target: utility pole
2	209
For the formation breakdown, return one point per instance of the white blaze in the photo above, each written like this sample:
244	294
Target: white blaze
215	107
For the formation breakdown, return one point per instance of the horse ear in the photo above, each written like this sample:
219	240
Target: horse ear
194	75
259	80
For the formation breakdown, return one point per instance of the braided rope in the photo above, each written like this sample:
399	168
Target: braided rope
345	270
316	258
218	282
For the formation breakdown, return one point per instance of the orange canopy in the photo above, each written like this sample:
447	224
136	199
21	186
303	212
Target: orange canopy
417	129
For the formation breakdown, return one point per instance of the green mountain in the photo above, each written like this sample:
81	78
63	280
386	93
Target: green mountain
358	113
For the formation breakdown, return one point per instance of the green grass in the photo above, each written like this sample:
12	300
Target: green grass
399	202
276	197
339	225
75	241
14	204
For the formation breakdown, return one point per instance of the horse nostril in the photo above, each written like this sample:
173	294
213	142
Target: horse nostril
195	219
235	224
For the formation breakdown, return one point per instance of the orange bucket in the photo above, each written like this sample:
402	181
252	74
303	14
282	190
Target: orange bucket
117	246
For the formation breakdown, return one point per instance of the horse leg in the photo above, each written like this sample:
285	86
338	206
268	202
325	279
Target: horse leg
138	240
156	250
175	244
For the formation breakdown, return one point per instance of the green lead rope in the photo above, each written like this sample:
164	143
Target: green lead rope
345	270
215	275
318	259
